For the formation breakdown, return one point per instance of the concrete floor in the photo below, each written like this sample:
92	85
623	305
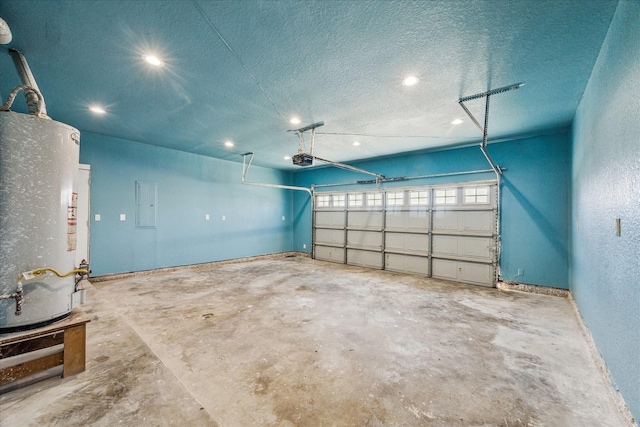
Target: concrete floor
298	342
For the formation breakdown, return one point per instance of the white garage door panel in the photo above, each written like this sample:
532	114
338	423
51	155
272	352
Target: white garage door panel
464	246
364	258
480	274
444	269
461	271
482	221
330	236
445	220
476	247
329	254
408	220
329	219
365	219
407	264
407	242
372	239
461	221
446	245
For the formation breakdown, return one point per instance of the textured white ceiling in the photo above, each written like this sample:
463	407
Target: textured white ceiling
239	70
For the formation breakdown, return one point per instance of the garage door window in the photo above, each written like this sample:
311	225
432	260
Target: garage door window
445	196
338	200
476	196
355	200
395	199
323	201
419	198
374	199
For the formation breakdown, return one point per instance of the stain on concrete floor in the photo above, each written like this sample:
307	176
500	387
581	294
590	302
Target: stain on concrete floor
298	342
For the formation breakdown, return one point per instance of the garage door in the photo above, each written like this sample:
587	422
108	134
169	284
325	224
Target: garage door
445	231
464	236
329	219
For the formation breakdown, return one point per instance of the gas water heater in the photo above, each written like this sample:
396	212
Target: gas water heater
38	163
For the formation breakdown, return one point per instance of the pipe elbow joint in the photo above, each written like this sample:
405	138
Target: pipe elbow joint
19	298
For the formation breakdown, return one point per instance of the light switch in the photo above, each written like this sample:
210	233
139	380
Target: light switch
283	217
96	217
224	218
206	217
123	217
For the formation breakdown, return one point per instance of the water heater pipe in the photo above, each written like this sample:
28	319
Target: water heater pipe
34	102
28	275
18	296
12	96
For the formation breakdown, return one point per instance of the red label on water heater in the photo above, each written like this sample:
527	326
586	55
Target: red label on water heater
72	223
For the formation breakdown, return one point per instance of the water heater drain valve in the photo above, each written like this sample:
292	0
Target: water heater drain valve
17	295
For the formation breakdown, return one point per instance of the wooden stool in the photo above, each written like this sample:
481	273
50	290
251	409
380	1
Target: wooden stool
70	332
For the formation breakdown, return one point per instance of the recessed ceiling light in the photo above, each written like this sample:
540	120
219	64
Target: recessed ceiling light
457	121
153	60
96	109
355	143
287	157
410	81
294	121
228	144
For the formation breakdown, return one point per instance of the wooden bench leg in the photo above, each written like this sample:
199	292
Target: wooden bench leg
74	350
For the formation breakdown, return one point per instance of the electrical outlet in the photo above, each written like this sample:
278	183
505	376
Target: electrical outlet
521	272
283	217
206	217
304	246
224	218
123	217
97	217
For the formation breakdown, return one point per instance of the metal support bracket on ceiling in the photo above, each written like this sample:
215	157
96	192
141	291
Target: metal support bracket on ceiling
484	129
245	168
301	131
483	147
307	159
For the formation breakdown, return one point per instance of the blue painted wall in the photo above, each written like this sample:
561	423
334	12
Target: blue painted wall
535	205
189	186
605	268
